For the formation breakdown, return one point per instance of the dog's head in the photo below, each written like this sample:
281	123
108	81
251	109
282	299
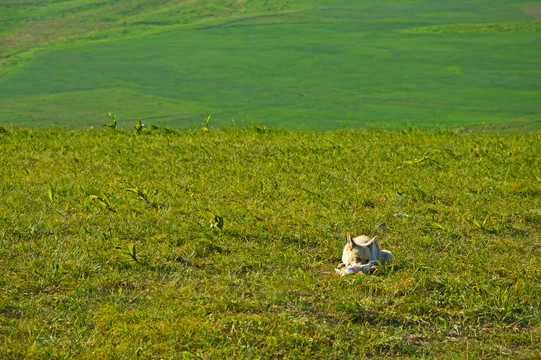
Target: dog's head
360	251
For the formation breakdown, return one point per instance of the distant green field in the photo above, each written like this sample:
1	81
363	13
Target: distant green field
301	64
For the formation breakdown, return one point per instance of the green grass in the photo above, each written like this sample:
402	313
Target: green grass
299	64
107	249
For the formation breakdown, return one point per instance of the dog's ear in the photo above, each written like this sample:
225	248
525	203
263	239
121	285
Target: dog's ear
349	241
371	242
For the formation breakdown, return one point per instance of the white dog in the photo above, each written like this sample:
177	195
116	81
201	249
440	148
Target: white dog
362	254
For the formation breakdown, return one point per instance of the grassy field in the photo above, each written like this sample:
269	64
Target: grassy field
196	244
317	64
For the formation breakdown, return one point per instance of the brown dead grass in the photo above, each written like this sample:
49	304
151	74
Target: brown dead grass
533	10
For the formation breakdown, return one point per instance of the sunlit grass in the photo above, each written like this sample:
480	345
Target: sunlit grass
223	243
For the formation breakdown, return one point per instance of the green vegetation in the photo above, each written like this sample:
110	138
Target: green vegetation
319	64
159	243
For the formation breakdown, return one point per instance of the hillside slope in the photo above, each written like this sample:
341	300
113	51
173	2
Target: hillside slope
309	64
34	26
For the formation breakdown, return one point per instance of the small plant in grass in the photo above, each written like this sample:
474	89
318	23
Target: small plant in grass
142	194
422	160
139	127
129	252
159	129
482	225
103	201
51	192
434	226
112	122
54	266
205	125
216	220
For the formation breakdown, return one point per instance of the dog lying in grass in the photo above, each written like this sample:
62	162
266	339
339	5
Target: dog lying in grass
362	254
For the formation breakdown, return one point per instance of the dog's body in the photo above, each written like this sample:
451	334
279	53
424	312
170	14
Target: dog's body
363	250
